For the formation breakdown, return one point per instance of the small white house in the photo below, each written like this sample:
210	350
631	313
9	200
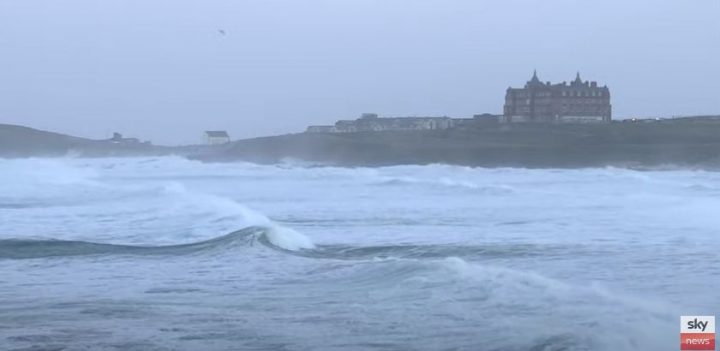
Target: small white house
216	137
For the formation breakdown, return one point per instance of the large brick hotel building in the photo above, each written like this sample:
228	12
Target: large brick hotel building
577	102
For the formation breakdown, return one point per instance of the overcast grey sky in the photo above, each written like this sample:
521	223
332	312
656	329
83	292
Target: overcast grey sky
161	70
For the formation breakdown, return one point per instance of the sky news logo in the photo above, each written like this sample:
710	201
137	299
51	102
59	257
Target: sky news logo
697	333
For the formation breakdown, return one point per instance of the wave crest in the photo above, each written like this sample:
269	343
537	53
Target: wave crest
279	237
288	238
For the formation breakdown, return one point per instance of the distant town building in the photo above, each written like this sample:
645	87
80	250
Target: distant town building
371	122
577	102
216	137
117	138
477	121
321	129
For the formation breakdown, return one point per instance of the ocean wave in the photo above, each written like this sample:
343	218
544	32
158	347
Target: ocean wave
445	182
489	251
280	237
585	316
703	188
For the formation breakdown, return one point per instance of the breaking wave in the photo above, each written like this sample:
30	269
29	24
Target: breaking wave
278	238
275	236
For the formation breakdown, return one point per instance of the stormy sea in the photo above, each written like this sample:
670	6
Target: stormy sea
171	254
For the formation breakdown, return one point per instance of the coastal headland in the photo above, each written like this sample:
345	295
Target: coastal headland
687	142
683	142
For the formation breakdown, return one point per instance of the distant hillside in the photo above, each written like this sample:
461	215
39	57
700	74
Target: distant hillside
18	141
692	142
686	142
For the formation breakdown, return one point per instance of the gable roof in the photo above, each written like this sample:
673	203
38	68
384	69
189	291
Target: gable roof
217	134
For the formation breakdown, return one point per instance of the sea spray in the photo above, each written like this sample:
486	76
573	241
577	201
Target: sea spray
278	235
288	238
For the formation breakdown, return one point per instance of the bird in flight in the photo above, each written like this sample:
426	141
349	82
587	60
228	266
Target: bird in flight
222	32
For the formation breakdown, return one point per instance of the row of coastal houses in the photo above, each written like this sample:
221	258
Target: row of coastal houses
537	102
371	122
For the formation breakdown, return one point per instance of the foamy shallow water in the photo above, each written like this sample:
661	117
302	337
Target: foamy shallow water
171	254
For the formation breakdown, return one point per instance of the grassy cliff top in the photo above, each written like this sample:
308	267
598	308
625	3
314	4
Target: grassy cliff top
680	142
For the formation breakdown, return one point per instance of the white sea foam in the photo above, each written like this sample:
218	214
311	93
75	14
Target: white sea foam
609	321
288	238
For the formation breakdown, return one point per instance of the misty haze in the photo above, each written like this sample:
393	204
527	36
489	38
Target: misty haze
359	175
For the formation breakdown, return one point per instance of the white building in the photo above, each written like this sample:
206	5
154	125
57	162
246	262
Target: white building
216	137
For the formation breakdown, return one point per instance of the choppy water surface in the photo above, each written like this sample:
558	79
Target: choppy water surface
170	254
